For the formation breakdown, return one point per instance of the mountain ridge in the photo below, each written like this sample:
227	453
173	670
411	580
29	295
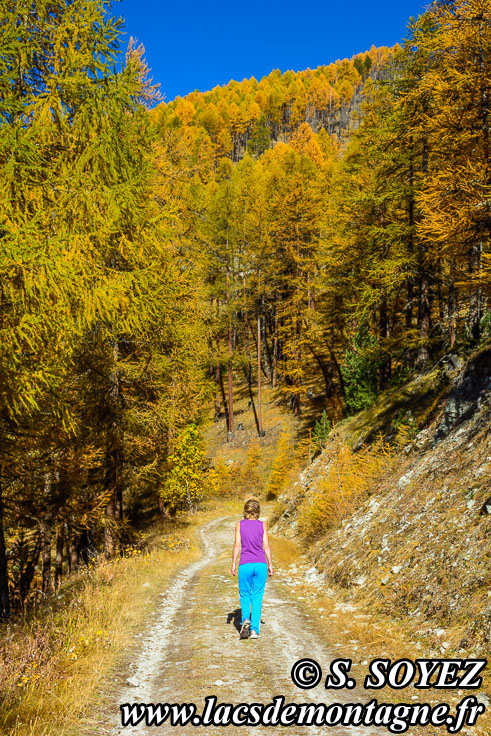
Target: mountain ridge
253	115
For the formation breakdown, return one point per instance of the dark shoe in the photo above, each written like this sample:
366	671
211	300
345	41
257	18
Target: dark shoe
244	629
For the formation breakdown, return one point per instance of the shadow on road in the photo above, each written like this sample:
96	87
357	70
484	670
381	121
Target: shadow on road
236	618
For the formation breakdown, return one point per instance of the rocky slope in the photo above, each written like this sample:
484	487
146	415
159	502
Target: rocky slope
418	546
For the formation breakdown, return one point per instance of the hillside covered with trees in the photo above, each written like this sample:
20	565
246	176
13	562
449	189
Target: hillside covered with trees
153	257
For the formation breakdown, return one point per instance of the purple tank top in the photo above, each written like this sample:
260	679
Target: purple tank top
251	541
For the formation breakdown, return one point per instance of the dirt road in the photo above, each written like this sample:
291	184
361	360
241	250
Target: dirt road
193	650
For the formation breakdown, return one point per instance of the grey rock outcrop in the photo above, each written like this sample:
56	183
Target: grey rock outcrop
469	391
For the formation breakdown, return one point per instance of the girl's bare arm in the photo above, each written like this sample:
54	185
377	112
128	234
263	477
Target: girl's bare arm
267	550
236	549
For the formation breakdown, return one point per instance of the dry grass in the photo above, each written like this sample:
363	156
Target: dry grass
285	552
53	666
406	568
347	479
360	633
243	465
90	626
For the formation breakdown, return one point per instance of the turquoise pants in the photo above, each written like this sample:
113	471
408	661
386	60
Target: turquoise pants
252	579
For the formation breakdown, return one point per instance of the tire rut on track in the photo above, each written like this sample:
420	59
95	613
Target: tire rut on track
192	649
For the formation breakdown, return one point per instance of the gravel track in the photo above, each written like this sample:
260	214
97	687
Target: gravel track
192	649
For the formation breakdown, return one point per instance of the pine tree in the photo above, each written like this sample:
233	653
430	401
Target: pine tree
96	297
455	215
260	139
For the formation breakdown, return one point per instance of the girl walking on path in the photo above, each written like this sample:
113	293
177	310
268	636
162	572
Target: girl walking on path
251	538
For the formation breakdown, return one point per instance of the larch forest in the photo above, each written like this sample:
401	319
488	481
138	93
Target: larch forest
156	254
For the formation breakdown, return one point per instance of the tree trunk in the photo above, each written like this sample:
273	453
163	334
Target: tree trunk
267	354
337	367
274	376
4	581
410	283
386	367
46	536
218	407
218	379
267	358
326	372
451	309
84	548
259	415
73	555
28	570
224	398
409	303
440	296
230	426
424	307
109	529
119	484
424	312
113	462
297	401
246	322
248	377
475	300
230	432
60	543
484	91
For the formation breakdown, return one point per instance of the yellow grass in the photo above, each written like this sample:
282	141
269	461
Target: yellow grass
249	465
53	666
363	634
344	485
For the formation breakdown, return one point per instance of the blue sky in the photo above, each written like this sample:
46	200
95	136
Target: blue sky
197	45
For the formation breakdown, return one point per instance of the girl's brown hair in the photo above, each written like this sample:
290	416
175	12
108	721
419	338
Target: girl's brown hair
252	509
